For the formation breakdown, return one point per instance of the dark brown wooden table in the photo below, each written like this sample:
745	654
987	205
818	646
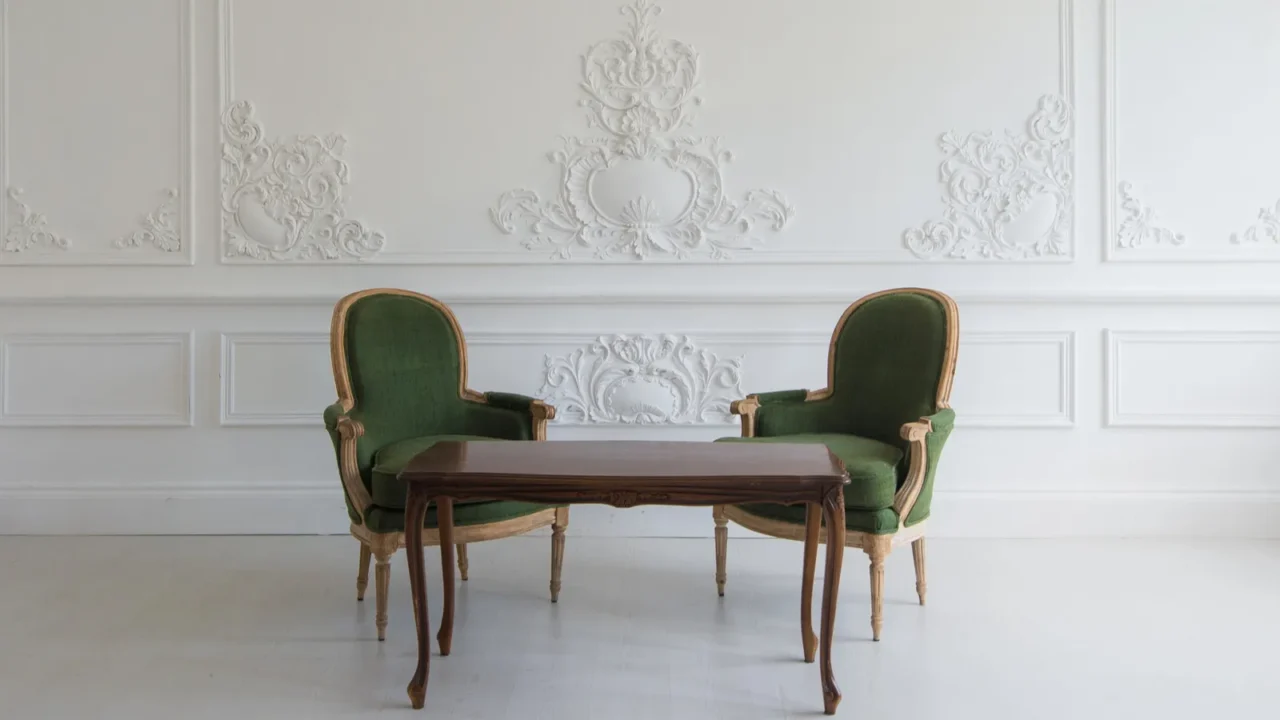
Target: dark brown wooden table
625	474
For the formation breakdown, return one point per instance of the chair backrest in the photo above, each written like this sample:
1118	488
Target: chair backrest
892	358
400	359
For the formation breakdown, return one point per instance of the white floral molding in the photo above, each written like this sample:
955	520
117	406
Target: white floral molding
642	380
1267	228
30	231
992	180
159	228
284	199
640	89
1139	225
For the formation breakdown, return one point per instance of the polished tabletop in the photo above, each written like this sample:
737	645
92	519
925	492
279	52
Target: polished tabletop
625	461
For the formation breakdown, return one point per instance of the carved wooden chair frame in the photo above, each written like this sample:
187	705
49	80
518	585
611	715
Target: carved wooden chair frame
381	546
877	547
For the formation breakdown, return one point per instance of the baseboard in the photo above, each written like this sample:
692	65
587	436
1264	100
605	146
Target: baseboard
286	510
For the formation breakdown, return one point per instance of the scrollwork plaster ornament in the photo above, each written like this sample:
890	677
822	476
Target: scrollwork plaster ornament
286	199
1139	224
1267	229
31	229
159	228
640	89
991	180
642	380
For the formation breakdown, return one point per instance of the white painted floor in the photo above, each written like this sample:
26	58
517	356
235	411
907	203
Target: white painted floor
255	627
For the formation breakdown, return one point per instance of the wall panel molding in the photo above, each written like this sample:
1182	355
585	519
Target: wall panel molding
644	379
1132	230
304	413
1063	348
83	376
163	236
1240	370
641	235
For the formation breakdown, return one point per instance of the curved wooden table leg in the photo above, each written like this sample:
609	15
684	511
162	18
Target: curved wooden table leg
833	512
444	518
812	526
415	513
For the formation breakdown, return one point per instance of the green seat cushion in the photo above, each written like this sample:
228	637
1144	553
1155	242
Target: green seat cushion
876	522
871	464
388	490
380	519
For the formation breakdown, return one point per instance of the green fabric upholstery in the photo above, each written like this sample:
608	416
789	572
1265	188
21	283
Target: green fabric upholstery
389	491
406	371
943	421
887	366
380	519
871	464
875	522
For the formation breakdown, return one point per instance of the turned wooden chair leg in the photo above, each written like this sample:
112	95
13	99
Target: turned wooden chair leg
462	561
382	552
877	548
362	575
557	550
722	546
917	554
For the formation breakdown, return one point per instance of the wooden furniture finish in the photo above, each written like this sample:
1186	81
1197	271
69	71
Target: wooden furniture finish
622	474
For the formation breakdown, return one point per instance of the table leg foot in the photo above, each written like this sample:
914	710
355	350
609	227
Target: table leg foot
830	701
833	514
414	513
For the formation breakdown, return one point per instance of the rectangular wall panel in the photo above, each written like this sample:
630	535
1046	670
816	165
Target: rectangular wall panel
1015	379
275	378
1193	379
97	158
84	380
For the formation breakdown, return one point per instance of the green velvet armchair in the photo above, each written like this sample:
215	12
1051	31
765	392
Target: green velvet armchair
884	413
400	367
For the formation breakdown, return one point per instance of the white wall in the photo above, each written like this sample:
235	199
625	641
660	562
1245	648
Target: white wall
163	332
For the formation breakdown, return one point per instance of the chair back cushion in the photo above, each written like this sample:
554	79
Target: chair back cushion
888	358
406	365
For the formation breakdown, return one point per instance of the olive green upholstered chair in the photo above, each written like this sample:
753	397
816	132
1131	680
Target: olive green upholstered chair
400	366
884	413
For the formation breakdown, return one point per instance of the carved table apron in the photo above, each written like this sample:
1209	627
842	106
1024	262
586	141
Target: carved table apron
623	474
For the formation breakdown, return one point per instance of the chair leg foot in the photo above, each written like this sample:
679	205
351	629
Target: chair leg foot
557	550
722	546
362	575
382	553
463	567
877	548
917	554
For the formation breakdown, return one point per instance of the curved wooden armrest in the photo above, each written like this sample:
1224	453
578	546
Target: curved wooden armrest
542	411
746	408
350	430
915	433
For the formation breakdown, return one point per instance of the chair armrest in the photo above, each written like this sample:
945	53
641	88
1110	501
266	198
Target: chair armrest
346	430
925	438
532	411
750	406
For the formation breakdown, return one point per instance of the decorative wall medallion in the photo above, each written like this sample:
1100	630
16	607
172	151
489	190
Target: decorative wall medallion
994	183
159	228
642	380
30	231
284	199
1267	228
1139	225
641	191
